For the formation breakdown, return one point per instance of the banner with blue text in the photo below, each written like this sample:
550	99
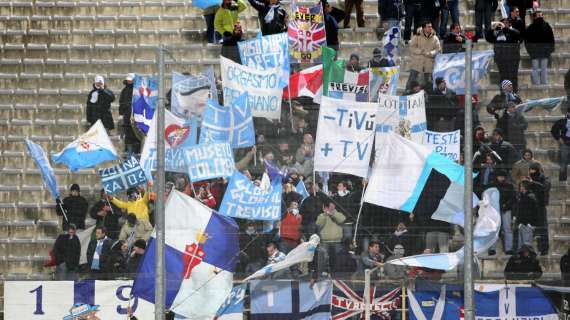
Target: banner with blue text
208	161
405	115
451	67
445	143
122	177
267	52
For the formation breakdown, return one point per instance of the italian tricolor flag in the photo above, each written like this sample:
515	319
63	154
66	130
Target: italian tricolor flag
340	83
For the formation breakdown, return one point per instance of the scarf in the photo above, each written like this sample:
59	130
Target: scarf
94	96
271	13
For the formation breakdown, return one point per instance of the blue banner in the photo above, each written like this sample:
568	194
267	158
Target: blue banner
122	177
451	67
267	52
40	158
272	299
145	97
208	161
245	200
203	4
234	304
233	125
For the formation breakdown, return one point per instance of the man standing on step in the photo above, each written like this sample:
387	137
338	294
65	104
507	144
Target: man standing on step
132	142
561	134
73	208
99	104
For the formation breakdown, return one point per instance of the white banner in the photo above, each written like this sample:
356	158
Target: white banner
53	300
345	133
405	115
445	143
263	88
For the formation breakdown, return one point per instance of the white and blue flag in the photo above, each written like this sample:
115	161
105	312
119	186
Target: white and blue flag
41	159
404	115
233	307
451	67
90	149
391	43
245	200
145	97
514	302
189	94
122	177
284	300
267	52
547	104
209	161
201	253
301	189
233	124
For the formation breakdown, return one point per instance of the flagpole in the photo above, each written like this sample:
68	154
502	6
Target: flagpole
359	212
468	194
159	302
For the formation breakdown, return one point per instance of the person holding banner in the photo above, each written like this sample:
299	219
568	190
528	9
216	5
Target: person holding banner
73	208
226	23
272	16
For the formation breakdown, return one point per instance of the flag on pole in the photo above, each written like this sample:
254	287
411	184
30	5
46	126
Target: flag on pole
233	307
145	98
391	43
189	94
90	149
201	251
40	158
122	176
301	189
307	34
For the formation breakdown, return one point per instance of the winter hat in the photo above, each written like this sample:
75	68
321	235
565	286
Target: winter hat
74	187
505	84
377	52
130	77
354	56
140	243
500	173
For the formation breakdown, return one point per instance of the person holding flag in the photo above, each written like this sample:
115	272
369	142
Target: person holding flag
73	208
136	204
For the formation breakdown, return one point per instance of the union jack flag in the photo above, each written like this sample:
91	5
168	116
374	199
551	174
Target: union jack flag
307	33
348	303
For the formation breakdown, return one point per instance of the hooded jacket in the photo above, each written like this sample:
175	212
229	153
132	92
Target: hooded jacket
101	107
424	49
75	209
67	250
514	127
539	39
226	18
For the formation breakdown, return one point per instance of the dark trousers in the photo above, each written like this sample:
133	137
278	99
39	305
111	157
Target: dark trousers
483	17
509	70
413	14
359	5
212	35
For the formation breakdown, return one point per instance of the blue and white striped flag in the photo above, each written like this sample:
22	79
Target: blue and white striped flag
391	43
189	94
547	104
40	158
145	97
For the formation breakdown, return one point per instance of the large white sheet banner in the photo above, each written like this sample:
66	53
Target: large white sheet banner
263	88
405	115
345	133
53	300
445	143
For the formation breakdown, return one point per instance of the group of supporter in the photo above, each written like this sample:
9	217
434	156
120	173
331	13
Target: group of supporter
501	158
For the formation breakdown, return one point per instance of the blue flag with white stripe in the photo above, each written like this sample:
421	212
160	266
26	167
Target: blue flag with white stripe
145	97
547	104
294	299
233	124
302	190
122	177
40	158
189	94
451	67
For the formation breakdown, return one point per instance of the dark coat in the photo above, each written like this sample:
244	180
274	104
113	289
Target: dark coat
507	195
482	4
312	207
522	5
567	82
253	248
443	104
559	130
506	50
125	110
133	264
390	10
451	45
539	39
101	109
75	209
520	267
279	22
526	209
500	101
332	22
67	250
514	127
118	263
110	221
507	152
104	258
344	263
565	268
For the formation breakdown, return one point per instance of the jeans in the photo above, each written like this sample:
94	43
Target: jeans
413	13
542	64
483	18
332	248
439	240
564	159
506	221
213	36
525	236
453	8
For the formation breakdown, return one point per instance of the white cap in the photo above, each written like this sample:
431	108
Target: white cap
99	78
130	77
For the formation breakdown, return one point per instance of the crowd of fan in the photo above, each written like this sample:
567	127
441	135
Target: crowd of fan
331	209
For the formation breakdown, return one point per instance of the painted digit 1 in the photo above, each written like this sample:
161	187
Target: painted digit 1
39	299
